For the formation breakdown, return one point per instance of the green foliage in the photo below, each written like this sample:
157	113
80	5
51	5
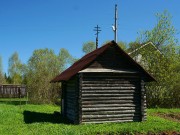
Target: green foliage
162	34
163	66
65	59
163	110
122	44
16	69
2	79
40	119
88	47
91	46
1	68
133	46
42	67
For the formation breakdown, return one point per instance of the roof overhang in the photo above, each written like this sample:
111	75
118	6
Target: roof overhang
101	70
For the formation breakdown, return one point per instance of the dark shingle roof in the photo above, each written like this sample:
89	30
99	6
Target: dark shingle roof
85	61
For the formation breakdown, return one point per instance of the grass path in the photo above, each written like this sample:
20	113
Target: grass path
40	120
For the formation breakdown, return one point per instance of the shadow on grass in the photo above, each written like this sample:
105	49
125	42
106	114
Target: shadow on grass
37	117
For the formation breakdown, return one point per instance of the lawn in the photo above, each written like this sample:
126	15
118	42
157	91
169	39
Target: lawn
14	101
41	120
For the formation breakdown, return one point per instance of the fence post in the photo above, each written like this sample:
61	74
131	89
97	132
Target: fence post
27	98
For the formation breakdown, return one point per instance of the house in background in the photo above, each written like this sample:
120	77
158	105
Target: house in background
142	51
106	85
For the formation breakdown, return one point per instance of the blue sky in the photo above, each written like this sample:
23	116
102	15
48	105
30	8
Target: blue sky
26	25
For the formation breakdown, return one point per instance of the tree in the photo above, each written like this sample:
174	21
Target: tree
15	69
133	46
8	79
162	34
88	47
122	44
2	79
42	67
164	67
65	59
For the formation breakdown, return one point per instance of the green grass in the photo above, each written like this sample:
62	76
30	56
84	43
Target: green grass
40	120
14	101
163	110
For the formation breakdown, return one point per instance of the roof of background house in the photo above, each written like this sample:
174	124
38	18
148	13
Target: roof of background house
85	61
143	46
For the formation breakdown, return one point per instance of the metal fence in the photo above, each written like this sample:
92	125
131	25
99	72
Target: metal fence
12	91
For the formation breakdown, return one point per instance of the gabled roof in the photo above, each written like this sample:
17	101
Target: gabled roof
145	45
85	61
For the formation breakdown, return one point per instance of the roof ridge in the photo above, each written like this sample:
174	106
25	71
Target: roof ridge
86	60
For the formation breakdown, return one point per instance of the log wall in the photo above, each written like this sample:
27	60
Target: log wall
110	97
143	102
70	99
113	59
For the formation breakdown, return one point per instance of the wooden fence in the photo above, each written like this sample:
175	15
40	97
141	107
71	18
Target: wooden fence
12	91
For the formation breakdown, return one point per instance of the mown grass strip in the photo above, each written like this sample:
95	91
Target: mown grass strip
43	121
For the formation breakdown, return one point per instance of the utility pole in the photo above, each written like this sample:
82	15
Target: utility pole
97	29
114	27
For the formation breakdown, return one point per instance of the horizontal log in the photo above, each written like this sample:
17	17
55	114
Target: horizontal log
71	113
71	81
109	102
110	79
137	112
115	91
109	98
70	92
125	76
70	103
110	105
70	89
109	88
109	85
110	82
72	118
71	98
108	95
73	104
71	84
115	120
109	108
108	73
108	116
111	91
110	121
70	108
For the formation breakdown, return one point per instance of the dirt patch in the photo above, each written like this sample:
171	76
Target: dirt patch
160	133
165	133
170	116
